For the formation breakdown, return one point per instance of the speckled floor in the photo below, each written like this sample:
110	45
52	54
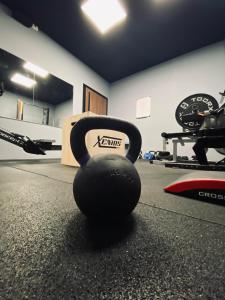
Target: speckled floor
170	248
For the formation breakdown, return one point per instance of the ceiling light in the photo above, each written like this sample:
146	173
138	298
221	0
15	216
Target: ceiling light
23	80
35	69
104	13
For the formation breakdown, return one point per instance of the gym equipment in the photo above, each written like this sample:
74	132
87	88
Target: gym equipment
194	165
149	155
158	155
210	134
163	155
106	186
190	106
178	138
207	186
28	145
203	139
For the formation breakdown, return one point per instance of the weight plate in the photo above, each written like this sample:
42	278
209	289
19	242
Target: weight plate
197	102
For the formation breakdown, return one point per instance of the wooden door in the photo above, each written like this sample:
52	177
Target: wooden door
94	101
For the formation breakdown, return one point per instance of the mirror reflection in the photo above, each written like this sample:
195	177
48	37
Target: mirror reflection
29	93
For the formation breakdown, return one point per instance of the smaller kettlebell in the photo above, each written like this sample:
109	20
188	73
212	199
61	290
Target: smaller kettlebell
106	186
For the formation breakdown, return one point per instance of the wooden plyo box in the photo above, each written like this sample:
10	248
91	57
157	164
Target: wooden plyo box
98	141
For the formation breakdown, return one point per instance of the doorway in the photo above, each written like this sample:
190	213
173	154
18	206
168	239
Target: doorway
94	101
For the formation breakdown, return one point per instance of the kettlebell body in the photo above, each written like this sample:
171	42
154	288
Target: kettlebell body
106	186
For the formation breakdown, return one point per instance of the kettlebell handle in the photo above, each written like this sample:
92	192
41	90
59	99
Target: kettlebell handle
79	130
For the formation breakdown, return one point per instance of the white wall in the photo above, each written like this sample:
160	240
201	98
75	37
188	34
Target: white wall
8	108
39	49
168	84
57	113
62	111
34	131
8	105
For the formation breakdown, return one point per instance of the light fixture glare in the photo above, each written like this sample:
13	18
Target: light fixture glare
104	13
35	69
23	80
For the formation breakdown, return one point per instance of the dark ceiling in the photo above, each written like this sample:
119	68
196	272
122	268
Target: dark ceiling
153	32
50	89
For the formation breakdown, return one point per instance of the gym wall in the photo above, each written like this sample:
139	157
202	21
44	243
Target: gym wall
8	108
62	111
34	131
41	50
168	84
57	113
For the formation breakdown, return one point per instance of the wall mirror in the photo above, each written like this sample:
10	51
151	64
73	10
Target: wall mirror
29	93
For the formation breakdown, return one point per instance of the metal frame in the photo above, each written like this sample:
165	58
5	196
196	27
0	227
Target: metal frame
177	141
28	145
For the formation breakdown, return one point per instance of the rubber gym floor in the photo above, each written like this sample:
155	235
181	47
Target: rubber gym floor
170	248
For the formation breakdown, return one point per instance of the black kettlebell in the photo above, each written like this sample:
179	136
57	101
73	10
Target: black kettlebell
106	186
